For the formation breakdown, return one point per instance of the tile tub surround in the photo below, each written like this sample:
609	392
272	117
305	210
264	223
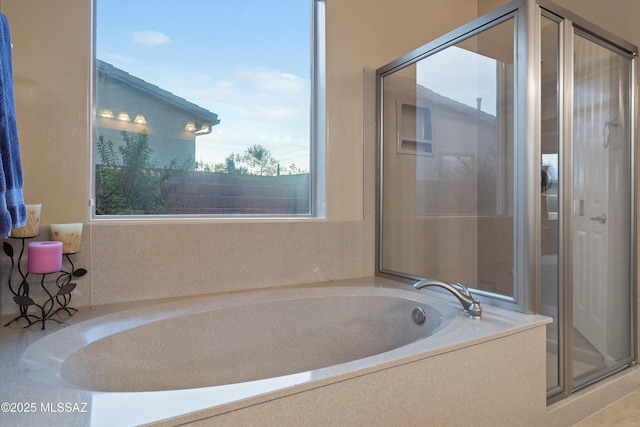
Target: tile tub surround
480	362
133	261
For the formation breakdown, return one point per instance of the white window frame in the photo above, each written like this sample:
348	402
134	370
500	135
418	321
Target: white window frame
317	150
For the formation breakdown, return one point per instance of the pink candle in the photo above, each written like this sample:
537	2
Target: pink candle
44	257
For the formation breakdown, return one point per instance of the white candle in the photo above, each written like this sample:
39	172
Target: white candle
32	228
69	235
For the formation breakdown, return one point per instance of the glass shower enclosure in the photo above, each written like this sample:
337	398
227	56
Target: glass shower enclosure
506	164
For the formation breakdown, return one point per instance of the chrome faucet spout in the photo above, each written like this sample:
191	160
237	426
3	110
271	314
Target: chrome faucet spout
470	304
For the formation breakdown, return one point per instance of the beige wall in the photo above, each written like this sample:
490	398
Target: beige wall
51	72
133	260
616	16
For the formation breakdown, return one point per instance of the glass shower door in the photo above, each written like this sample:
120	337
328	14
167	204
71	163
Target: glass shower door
601	217
550	244
506	163
447	210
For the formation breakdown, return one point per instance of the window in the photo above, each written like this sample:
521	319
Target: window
204	107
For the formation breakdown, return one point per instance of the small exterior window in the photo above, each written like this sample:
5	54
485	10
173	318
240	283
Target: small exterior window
204	107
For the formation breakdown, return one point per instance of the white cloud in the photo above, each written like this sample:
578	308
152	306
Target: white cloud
150	38
272	81
259	105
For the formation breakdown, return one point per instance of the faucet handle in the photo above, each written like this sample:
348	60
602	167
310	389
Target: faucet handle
462	288
474	309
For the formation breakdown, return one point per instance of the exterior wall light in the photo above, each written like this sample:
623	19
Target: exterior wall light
140	119
190	127
204	130
106	113
124	117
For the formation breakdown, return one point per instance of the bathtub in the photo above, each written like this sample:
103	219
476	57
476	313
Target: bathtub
235	340
215	357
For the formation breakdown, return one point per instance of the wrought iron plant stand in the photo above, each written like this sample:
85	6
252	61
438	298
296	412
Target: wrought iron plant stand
58	292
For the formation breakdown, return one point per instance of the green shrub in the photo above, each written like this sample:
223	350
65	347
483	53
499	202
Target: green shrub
131	183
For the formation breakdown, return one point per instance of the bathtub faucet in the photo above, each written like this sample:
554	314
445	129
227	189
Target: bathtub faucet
470	304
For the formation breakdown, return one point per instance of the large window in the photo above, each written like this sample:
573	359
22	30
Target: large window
204	107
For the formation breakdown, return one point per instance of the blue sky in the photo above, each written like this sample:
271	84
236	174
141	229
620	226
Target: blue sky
245	60
460	75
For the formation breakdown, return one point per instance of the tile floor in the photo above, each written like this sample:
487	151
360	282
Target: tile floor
623	413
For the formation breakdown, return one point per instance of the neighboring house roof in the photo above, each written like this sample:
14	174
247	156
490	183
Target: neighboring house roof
453	104
200	113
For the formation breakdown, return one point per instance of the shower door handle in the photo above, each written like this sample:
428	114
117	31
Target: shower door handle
602	219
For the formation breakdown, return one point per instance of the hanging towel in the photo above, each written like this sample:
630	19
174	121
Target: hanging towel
13	212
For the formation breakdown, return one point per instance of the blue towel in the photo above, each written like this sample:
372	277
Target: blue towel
13	212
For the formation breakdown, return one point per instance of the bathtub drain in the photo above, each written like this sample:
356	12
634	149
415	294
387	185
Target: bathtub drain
419	315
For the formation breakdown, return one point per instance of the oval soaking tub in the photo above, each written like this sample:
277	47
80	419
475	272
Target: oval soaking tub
225	360
237	339
216	341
